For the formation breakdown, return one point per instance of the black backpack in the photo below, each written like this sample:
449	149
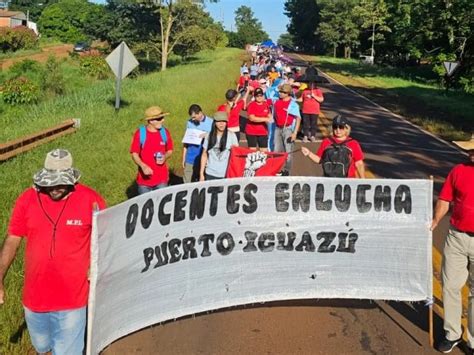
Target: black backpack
336	159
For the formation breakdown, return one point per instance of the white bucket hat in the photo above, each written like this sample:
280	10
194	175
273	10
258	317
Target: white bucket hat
57	170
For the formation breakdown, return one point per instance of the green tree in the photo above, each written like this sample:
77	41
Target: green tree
33	8
373	15
64	20
287	40
304	18
174	24
338	25
249	28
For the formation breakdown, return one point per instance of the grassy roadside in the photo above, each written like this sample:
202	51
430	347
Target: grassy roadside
100	147
448	115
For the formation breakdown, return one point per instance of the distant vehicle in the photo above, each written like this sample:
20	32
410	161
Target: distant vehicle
366	59
81	47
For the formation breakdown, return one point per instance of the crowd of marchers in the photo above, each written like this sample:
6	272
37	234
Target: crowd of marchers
272	104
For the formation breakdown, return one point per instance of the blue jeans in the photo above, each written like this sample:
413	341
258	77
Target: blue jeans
61	332
142	189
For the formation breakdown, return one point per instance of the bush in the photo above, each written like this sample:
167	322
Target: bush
93	64
25	66
467	84
20	91
13	39
52	78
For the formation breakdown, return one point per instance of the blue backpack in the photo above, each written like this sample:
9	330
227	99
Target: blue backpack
142	128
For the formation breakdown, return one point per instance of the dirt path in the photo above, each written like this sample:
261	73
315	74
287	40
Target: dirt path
60	51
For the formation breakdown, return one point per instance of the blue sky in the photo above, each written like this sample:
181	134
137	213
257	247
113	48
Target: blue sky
269	12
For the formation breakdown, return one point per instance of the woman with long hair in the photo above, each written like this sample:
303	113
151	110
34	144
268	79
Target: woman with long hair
216	152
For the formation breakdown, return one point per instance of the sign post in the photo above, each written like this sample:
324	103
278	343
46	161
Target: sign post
122	62
450	67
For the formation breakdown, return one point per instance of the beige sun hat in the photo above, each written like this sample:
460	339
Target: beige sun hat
57	170
221	116
154	112
466	145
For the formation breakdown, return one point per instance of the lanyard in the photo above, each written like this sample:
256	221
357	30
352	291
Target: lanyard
52	248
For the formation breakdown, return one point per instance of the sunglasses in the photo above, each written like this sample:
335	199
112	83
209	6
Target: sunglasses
158	119
338	126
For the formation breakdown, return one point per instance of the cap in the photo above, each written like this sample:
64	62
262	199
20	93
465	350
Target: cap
258	92
340	121
221	116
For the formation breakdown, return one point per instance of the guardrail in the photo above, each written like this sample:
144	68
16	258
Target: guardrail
14	147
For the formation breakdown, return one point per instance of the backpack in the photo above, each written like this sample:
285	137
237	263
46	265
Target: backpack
142	128
336	159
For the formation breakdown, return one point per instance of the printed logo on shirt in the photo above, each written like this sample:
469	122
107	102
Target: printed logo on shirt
73	222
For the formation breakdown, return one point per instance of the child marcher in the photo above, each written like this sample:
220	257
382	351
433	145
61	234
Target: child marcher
151	146
340	155
216	149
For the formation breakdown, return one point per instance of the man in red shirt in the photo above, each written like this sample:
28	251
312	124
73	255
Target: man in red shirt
55	218
458	253
151	146
286	125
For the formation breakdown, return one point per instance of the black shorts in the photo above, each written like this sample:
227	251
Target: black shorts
257	141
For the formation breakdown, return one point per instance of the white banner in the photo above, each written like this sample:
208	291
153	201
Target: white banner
198	247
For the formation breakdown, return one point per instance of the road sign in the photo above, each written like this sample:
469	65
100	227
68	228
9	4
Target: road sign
129	61
122	62
450	67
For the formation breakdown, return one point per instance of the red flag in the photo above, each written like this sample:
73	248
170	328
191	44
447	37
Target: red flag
246	162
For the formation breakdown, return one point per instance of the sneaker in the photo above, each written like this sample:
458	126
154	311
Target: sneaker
313	139
285	173
305	139
447	345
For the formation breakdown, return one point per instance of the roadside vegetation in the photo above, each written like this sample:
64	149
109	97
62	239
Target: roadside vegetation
411	92
101	146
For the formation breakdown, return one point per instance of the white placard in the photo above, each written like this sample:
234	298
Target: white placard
197	247
194	136
129	62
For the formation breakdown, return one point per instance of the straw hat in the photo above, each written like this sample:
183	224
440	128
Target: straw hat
154	112
466	145
57	170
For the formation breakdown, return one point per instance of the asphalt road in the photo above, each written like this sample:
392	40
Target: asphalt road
393	149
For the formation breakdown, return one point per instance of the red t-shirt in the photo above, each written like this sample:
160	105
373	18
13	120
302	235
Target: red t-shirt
242	80
459	189
353	145
153	144
281	113
259	110
55	268
234	115
310	105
